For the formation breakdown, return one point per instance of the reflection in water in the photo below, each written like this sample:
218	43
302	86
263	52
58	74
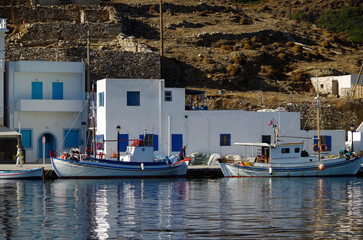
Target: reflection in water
182	209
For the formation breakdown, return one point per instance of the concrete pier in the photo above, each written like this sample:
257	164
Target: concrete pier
198	171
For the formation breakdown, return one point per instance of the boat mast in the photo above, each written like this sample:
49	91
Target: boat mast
318	116
93	121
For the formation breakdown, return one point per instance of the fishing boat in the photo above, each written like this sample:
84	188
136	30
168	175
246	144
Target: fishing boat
138	161
23	174
290	160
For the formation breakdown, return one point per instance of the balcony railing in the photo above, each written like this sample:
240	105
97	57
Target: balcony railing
48	105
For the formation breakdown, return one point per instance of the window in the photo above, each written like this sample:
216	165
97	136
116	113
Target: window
101	99
176	142
266	139
37	90
148	140
133	98
285	150
297	150
326	140
99	139
57	90
151	140
225	140
26	138
168	96
71	138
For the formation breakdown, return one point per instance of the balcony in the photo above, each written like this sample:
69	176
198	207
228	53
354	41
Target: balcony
48	105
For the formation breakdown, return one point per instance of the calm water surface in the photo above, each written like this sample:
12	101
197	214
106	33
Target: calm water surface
236	208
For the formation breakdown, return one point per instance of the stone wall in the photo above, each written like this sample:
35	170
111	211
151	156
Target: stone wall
60	2
104	63
46	14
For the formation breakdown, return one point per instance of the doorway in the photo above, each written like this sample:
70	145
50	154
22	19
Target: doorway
50	145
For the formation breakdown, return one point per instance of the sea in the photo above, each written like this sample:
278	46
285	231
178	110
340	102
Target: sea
181	208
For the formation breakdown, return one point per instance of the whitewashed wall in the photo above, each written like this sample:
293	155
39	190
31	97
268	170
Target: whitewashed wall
46	115
201	129
345	82
3	30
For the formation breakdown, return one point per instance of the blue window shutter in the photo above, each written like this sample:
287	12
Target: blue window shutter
133	98
71	138
57	90
123	144
37	90
327	139
26	136
328	143
156	142
176	142
101	99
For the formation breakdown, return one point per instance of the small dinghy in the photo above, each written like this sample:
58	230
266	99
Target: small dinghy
17	174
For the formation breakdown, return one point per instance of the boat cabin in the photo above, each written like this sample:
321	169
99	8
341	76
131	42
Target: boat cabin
137	153
274	153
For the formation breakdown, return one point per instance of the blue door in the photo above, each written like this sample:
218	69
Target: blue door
123	143
176	142
37	90
49	145
57	90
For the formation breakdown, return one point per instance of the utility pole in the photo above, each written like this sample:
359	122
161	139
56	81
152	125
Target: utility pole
161	40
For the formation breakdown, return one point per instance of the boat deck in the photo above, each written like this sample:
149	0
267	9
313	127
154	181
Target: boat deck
197	171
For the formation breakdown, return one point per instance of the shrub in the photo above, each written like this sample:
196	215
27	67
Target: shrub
237	60
290	44
152	8
227	47
325	44
348	20
255	39
245	21
297	48
233	70
207	60
282	56
269	70
248	46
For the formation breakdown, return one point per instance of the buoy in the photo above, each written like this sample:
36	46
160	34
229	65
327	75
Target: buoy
270	170
142	166
321	166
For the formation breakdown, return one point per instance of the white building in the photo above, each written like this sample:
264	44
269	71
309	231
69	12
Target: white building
338	85
356	137
8	139
46	101
141	106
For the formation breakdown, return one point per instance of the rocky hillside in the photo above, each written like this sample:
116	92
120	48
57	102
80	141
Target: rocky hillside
208	44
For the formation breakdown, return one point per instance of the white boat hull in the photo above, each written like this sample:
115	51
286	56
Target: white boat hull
100	168
340	167
17	174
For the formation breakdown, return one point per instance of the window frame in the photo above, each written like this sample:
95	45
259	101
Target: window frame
30	137
168	96
133	98
285	150
225	139
101	99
